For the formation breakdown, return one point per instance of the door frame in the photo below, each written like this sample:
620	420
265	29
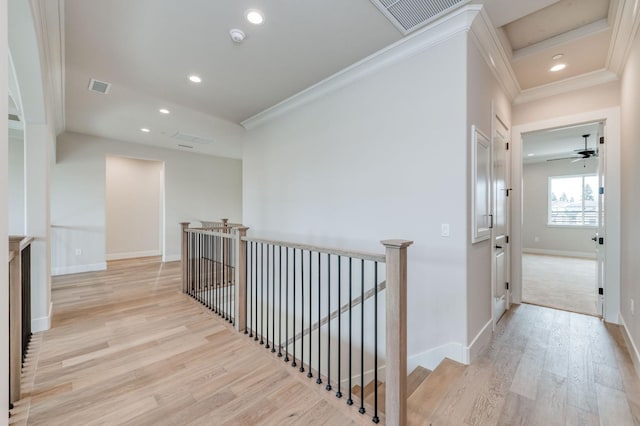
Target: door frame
611	118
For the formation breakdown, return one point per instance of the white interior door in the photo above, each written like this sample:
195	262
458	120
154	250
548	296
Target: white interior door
500	206
599	238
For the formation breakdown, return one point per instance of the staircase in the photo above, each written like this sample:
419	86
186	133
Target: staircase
425	390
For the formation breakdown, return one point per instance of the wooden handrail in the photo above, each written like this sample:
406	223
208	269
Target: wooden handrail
380	258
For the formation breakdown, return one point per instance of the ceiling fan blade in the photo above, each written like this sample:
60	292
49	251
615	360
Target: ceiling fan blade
565	158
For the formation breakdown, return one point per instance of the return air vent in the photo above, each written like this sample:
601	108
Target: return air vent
191	138
14	117
185	146
99	86
409	15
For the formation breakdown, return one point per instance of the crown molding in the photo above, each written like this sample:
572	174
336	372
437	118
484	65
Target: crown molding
625	28
49	18
459	20
488	41
583	81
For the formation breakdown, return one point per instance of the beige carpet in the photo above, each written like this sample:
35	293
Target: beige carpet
559	282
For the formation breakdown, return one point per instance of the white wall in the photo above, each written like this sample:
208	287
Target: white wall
484	94
4	220
16	186
134	191
197	187
570	241
630	244
382	157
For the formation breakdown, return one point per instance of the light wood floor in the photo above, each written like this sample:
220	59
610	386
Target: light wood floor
127	348
560	282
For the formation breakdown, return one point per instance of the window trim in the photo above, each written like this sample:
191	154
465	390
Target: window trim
568	225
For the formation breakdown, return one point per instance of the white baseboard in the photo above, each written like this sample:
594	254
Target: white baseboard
431	358
42	323
76	269
579	254
478	344
132	254
631	345
171	258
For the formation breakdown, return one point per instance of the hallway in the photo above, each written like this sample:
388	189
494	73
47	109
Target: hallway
127	348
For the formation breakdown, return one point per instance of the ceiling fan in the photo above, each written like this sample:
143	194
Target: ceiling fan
580	154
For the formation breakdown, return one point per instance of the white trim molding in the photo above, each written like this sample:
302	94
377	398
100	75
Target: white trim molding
77	269
459	20
631	345
479	343
42	323
431	358
171	258
132	255
626	16
583	81
563	253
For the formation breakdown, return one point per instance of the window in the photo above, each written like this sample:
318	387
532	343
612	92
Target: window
573	200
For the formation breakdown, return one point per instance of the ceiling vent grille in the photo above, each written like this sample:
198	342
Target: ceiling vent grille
99	86
409	15
191	138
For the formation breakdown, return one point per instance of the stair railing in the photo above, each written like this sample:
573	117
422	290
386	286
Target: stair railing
316	308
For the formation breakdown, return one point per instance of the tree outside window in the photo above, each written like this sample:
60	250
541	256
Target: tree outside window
572	201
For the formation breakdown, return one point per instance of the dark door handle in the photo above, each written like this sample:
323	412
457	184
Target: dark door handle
498	247
594	238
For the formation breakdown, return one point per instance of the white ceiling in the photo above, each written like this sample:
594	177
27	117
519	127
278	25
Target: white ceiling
147	48
558	143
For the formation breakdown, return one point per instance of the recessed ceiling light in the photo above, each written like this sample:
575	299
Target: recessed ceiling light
254	16
558	67
164	111
557	56
530	155
145	130
195	79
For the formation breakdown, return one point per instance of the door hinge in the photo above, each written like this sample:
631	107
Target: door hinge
601	140
601	241
506	286
507	146
601	190
506	239
601	291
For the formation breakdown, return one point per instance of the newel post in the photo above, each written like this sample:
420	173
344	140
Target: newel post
241	279
184	255
396	332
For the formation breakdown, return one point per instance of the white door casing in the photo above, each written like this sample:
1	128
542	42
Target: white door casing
600	239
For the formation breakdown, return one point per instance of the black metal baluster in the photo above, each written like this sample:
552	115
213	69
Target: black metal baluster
210	273
286	304
199	293
328	387
280	302
267	345
310	374
247	290
273	299
319	379
339	393
255	292
375	419
293	362
225	287
230	279
262	293
350	400
302	311
362	410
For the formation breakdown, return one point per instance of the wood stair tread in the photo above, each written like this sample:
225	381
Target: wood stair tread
417	376
424	400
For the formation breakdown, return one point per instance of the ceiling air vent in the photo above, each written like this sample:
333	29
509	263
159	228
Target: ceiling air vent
409	15
14	117
191	138
99	86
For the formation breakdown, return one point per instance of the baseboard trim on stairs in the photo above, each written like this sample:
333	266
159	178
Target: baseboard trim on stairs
77	269
631	345
478	344
431	358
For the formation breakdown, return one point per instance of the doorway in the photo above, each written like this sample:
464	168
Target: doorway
561	209
134	208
